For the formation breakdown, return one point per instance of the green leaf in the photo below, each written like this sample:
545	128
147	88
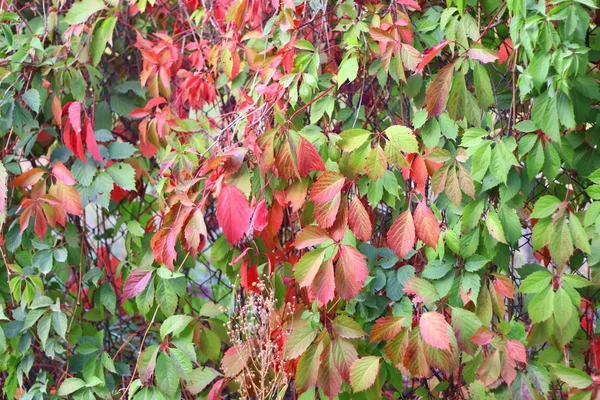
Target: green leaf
70	385
123	175
483	87
541	306
348	70
561	243
536	282
352	139
33	100
166	297
200	378
298	341
475	263
364	372
174	325
545	114
402	138
494	226
81	11
563	307
580	237
307	267
545	207
167	379
103	32
571	376
538	68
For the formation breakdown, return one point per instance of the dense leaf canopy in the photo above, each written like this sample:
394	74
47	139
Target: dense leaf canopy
306	199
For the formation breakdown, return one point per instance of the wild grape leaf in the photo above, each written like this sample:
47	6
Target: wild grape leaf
308	366
28	178
387	328
351	272
329	377
311	235
427	227
323	284
136	282
233	213
401	236
325	213
429	55
436	95
327	186
308	158
298	341
359	220
364	372
422	289
60	172
307	267
434	329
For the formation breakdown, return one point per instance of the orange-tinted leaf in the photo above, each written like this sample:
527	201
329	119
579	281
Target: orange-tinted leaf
359	221
426	225
338	229
437	92
516	351
401	236
68	197
482	336
233	213
28	178
327	186
311	235
286	165
194	233
351	272
504	285
376	163
387	328
325	213
308	158
434	329
60	172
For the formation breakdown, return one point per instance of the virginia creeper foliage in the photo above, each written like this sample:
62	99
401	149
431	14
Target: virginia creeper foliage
299	199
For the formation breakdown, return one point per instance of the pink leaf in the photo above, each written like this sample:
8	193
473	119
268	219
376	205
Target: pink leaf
233	213
434	329
136	283
60	172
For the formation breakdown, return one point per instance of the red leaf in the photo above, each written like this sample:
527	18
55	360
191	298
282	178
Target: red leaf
434	330
505	51
249	277
136	282
75	116
308	158
426	224
194	233
429	54
260	218
436	95
90	140
359	220
401	236
326	187
233	213
351	272
419	173
323	285
311	235
410	3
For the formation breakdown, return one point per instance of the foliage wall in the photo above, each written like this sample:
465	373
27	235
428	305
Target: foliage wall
299	199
